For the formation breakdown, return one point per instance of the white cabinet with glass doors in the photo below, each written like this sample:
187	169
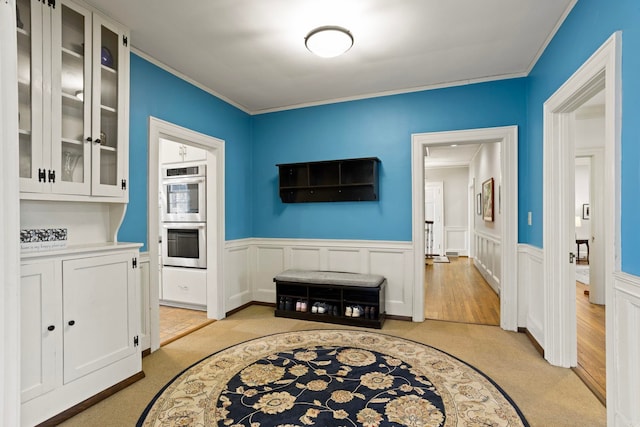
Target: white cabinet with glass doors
73	84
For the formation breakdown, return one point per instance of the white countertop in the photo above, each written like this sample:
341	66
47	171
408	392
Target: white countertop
80	249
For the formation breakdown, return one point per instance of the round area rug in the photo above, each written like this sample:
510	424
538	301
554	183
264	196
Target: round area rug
331	378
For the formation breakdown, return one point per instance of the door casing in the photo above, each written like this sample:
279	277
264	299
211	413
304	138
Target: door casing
507	136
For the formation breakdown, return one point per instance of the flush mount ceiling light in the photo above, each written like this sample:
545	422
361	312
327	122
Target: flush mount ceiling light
329	41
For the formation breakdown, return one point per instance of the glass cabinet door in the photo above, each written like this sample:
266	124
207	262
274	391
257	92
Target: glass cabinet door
108	109
71	99
29	37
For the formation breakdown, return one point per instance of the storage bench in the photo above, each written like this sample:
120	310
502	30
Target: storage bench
331	296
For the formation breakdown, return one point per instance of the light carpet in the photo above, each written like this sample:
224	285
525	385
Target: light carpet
444	259
331	377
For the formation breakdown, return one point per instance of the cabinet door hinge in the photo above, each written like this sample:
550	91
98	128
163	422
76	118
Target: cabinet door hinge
125	40
52	3
135	341
134	263
52	176
123	184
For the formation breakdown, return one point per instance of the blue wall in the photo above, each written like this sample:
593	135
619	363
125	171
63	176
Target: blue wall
587	27
157	93
375	127
382	127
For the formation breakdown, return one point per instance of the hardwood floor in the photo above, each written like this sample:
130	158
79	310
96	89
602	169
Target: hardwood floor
178	322
591	343
457	292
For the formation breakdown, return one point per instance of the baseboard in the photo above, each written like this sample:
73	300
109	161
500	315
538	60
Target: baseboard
403	318
76	409
535	343
249	304
591	384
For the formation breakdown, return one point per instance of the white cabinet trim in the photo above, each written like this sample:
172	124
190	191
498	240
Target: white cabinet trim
9	246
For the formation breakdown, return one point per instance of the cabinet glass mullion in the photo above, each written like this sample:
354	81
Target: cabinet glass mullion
26	94
71	152
108	106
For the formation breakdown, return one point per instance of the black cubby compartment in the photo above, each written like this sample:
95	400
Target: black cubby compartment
324	173
294	175
333	295
358	172
329	181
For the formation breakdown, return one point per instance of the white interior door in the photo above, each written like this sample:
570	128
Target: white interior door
434	211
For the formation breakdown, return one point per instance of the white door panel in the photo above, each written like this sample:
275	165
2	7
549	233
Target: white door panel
40	329
434	211
99	313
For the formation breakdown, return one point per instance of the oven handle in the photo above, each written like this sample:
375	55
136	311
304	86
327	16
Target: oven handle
182	180
182	225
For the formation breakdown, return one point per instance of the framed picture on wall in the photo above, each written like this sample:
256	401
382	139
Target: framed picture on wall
586	211
479	204
487	200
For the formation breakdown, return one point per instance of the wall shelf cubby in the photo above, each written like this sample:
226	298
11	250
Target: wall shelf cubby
330	181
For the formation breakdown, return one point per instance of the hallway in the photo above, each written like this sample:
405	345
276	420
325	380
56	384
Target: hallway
457	292
591	343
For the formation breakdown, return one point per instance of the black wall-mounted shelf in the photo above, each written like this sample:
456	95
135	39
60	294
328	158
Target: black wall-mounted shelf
330	181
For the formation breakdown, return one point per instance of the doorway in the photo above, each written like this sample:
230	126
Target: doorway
507	138
602	71
588	123
214	147
459	286
183	224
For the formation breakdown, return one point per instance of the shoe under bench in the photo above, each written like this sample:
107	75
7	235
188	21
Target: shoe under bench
335	289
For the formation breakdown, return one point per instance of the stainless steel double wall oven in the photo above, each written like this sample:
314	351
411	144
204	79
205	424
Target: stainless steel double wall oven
184	216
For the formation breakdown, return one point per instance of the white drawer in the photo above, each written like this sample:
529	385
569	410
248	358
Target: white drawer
185	285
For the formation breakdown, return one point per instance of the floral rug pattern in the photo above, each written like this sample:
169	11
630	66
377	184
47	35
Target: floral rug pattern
331	378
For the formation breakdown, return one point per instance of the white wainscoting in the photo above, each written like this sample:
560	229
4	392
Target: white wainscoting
488	258
251	265
456	239
237	274
531	291
143	297
624	353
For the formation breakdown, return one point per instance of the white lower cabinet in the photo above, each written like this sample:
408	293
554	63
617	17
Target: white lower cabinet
184	287
79	329
40	326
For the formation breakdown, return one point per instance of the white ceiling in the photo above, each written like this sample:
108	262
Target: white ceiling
252	54
446	156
